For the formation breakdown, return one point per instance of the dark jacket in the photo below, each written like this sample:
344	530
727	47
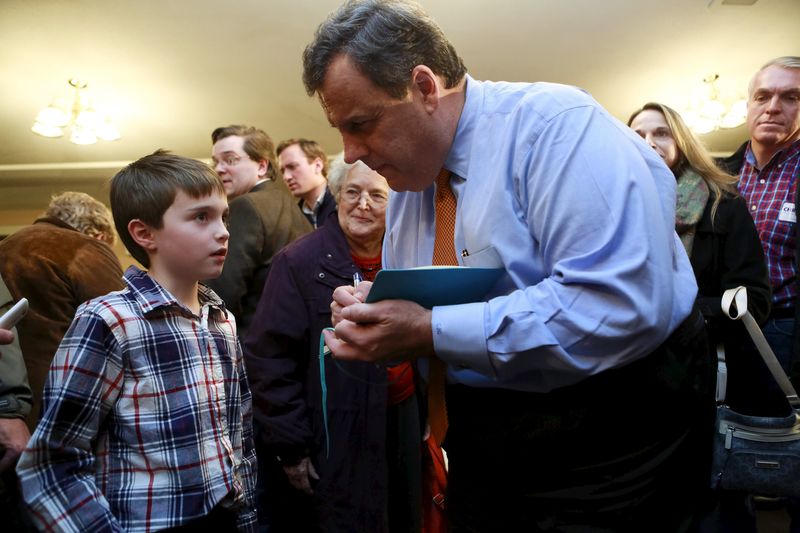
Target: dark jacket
327	207
56	268
733	163
261	222
726	255
281	353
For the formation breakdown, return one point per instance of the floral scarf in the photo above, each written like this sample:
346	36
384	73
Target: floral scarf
692	197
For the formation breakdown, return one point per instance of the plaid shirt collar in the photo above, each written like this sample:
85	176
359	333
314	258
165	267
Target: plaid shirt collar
150	295
780	156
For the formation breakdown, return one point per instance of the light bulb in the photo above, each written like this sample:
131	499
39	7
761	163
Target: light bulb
82	136
46	130
107	131
53	116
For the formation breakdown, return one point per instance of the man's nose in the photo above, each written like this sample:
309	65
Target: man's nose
353	150
218	167
774	104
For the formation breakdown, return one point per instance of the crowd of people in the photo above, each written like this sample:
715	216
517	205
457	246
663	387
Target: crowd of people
238	380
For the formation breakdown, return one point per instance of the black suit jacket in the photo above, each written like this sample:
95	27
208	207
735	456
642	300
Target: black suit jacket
261	222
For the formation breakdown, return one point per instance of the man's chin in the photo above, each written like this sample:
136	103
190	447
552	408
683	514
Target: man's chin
400	183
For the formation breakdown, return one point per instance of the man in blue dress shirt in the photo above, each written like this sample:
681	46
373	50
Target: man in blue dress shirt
578	393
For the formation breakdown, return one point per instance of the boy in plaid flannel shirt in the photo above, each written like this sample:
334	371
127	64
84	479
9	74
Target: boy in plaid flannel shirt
147	411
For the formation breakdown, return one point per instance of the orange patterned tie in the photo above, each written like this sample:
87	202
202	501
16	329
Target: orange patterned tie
444	248
444	253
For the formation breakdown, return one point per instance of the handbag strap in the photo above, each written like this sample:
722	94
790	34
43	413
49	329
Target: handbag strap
739	296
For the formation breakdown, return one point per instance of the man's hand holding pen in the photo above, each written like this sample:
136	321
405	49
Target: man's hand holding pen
382	331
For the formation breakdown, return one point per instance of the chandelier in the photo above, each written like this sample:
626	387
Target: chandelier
75	112
708	111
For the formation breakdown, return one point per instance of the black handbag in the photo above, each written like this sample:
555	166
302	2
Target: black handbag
756	454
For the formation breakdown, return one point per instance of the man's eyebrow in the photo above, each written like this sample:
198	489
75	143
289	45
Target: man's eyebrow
223	154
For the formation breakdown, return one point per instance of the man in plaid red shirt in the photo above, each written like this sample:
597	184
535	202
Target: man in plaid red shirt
768	183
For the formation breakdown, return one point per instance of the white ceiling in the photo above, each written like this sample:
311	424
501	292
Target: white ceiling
173	70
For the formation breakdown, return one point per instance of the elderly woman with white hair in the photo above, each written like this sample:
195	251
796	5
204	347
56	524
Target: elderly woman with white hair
340	429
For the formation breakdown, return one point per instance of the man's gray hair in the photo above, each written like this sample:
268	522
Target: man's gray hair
385	39
83	213
791	62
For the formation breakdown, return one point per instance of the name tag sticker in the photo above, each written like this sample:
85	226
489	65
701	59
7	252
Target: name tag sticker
787	213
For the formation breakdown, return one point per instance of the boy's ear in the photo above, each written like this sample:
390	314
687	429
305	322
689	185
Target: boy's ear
142	234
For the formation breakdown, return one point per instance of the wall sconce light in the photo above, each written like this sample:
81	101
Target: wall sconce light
76	113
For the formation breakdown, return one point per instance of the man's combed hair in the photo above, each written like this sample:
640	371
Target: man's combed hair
789	62
385	39
311	149
257	145
83	213
146	188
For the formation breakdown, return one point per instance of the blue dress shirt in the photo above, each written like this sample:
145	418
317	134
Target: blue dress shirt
579	211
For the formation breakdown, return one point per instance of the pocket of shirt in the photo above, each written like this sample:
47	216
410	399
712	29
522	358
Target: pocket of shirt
486	258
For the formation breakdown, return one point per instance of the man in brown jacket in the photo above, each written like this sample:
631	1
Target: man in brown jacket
57	263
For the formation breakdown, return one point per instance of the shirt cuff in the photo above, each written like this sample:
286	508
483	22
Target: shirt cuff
459	336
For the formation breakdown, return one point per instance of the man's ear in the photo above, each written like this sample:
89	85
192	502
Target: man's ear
426	84
318	165
142	234
263	166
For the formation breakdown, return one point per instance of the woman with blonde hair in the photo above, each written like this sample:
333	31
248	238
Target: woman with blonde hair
721	240
710	217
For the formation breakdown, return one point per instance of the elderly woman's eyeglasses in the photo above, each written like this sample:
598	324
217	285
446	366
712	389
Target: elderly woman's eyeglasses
354	196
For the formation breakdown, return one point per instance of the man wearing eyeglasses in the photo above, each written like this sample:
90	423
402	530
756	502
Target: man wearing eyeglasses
263	216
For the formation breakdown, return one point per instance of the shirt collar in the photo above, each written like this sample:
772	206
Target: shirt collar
779	157
54	221
457	160
150	295
318	203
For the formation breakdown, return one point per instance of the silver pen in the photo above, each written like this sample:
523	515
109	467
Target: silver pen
356	279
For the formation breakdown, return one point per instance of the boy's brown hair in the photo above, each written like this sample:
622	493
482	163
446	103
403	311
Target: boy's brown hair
146	188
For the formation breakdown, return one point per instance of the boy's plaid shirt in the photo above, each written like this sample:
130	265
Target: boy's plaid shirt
147	417
766	192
